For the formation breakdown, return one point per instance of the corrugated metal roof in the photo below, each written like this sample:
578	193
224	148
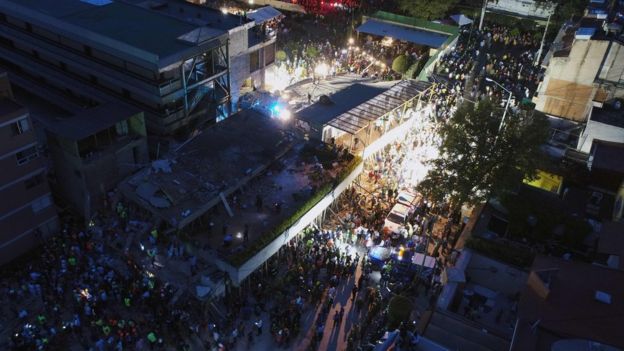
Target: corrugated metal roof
359	117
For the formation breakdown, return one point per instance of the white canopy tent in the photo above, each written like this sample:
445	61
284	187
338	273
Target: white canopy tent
461	20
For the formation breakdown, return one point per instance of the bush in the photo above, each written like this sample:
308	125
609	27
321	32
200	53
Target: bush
280	55
399	310
415	69
312	52
400	64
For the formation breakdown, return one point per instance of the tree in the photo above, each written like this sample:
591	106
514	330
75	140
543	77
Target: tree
399	311
280	55
400	64
477	161
426	9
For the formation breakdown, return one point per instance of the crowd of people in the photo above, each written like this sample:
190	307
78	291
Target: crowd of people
84	290
506	58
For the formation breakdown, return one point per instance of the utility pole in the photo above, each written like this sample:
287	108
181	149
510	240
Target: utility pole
482	14
539	52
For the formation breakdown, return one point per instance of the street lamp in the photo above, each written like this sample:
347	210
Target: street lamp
506	104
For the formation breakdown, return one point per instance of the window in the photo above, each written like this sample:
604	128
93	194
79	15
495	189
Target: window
41	203
25	156
20	127
33	181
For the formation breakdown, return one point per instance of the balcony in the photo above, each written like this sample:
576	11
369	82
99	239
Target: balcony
259	35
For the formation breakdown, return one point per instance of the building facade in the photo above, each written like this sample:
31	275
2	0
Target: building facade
170	60
583	67
93	52
27	212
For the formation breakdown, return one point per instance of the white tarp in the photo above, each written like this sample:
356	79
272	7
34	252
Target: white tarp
264	14
461	20
417	259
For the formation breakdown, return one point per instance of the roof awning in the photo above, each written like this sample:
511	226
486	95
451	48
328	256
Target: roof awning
361	116
264	14
400	32
461	20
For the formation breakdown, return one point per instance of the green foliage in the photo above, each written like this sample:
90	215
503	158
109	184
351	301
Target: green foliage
415	69
515	256
569	8
288	222
477	160
425	8
312	52
547	219
400	64
514	32
399	310
280	55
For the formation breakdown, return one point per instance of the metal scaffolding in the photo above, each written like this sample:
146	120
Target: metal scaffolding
206	82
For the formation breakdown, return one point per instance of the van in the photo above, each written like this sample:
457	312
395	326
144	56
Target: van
397	217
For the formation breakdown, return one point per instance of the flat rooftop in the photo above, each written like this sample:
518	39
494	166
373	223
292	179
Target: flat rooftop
183	185
90	121
135	26
570	307
608	115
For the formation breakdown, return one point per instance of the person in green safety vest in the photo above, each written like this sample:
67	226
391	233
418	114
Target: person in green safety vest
106	330
127	301
41	319
152	337
154	233
72	261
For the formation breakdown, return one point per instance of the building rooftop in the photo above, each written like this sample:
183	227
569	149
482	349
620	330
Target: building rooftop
611	241
608	115
608	156
90	121
561	299
184	185
192	13
136	26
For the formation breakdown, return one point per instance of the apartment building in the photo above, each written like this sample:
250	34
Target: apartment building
168	58
584	65
27	212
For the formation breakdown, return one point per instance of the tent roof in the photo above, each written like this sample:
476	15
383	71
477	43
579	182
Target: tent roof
461	20
264	14
410	34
